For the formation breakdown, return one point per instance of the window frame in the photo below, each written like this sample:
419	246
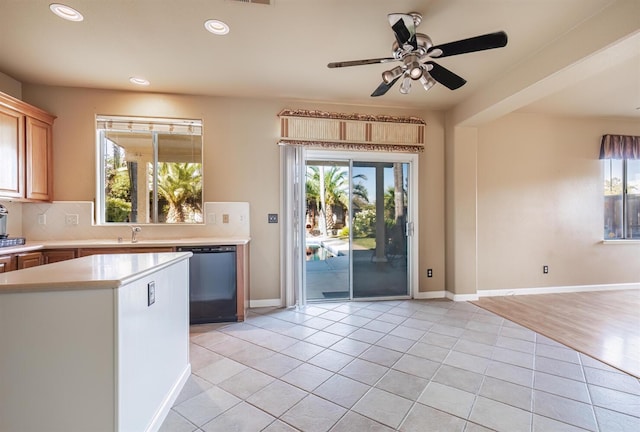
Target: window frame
101	141
627	233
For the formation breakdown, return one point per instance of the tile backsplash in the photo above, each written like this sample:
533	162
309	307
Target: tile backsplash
14	218
74	220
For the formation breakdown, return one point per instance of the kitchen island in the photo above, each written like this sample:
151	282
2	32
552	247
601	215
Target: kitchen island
98	343
40	252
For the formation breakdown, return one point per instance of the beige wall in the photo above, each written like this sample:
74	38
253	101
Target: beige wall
241	162
10	86
537	191
540	203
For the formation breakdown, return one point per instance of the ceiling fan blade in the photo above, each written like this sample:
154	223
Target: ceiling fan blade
384	87
445	77
404	28
361	62
477	43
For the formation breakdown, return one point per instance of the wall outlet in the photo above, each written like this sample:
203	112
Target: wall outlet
429	272
42	219
151	293
225	218
545	269
272	218
71	219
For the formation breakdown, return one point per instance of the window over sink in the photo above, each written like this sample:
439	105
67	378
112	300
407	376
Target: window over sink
149	170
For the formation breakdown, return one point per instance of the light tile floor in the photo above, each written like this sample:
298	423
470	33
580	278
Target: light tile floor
395	365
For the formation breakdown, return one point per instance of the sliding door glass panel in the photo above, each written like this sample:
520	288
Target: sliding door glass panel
326	230
379	206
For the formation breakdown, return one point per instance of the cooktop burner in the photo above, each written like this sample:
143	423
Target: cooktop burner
15	241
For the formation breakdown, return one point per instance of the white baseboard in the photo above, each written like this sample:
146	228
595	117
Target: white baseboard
461	297
265	303
425	295
169	399
445	294
557	290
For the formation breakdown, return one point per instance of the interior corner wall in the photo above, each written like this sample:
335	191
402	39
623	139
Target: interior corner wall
540	202
10	86
431	202
461	210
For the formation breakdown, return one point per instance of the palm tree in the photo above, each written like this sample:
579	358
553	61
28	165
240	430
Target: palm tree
327	189
180	184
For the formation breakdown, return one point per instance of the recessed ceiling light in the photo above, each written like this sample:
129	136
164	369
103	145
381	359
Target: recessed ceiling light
139	81
66	12
216	27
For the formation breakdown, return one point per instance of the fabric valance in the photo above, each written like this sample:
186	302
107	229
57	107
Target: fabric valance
351	131
620	147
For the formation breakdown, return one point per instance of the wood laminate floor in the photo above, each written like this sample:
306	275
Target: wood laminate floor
604	325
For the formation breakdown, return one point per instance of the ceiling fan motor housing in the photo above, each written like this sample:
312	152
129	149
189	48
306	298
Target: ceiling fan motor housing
423	42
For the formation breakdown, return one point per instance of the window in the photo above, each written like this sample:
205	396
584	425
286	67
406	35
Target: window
150	170
621	199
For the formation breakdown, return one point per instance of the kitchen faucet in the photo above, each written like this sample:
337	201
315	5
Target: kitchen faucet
134	231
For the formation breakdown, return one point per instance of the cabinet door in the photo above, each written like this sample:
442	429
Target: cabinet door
7	263
39	160
29	259
57	255
11	153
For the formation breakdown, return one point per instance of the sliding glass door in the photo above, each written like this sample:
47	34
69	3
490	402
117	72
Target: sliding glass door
357	219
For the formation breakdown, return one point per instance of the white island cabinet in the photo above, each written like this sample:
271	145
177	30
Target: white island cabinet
99	343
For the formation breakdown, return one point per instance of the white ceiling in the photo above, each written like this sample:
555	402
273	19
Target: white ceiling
281	50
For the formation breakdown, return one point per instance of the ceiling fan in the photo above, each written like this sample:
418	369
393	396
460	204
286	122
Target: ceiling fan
416	52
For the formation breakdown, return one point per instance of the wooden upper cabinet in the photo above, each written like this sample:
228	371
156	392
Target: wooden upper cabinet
26	151
39	160
11	153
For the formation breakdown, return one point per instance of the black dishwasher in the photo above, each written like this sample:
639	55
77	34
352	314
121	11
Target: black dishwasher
213	292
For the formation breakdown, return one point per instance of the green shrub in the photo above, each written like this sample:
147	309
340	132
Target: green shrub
344	232
364	223
118	210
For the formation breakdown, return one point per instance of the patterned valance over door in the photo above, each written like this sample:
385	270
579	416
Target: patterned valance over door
358	132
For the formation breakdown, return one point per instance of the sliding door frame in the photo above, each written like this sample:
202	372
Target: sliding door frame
412	212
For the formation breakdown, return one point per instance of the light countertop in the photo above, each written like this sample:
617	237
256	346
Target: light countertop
90	272
114	243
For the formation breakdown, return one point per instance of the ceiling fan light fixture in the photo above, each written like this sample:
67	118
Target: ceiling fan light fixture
216	27
415	71
66	12
405	86
427	81
390	75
